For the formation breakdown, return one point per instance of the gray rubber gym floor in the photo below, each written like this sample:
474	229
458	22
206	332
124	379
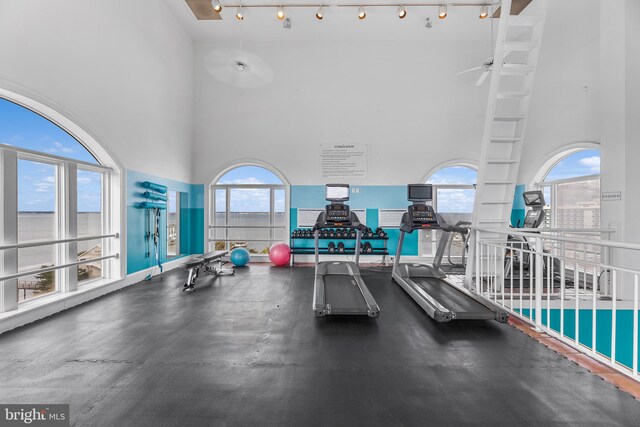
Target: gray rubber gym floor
246	350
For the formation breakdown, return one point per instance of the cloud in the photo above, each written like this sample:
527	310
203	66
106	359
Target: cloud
84	180
44	185
593	163
248	180
58	147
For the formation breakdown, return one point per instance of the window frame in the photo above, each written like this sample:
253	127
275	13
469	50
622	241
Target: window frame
228	187
436	187
66	215
178	251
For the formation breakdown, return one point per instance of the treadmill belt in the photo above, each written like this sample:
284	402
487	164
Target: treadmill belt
344	296
457	301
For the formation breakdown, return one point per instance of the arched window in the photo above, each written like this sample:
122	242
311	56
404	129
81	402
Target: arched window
455	190
572	190
247	209
57	190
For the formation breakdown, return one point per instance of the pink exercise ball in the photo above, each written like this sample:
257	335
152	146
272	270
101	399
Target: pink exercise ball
279	254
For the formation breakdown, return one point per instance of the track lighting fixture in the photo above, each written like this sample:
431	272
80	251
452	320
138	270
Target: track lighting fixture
239	14
216	5
361	13
280	13
484	11
402	12
442	11
320	13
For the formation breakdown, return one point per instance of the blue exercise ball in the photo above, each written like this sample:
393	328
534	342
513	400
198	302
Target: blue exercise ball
240	257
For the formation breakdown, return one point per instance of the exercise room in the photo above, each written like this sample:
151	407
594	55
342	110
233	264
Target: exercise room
307	213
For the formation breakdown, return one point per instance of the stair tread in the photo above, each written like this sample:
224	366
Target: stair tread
508	118
515	71
506	140
520	46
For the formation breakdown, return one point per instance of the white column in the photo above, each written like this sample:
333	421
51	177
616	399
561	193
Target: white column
8	228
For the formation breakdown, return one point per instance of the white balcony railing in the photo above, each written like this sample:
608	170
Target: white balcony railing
571	284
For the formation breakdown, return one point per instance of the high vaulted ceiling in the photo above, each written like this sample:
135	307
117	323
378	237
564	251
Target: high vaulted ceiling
339	24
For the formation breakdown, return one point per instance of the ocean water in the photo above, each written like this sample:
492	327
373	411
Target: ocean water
42	226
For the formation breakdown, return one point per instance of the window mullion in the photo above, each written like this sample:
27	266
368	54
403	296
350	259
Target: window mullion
227	201
271	216
67	202
8	228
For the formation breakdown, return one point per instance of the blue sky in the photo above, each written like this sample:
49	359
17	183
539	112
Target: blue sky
250	199
455	200
23	128
582	163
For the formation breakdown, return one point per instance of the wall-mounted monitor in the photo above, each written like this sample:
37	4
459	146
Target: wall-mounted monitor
419	192
337	192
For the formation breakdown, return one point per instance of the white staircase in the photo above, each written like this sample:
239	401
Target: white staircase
514	67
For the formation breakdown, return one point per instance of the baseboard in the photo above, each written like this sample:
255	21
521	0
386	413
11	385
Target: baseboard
47	306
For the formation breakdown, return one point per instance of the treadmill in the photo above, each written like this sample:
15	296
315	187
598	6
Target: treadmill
440	299
338	288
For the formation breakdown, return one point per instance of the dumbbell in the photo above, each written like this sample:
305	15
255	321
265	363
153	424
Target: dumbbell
340	247
380	232
331	248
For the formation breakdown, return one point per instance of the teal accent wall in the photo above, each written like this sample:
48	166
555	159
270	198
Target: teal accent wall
519	210
604	321
372	198
191	221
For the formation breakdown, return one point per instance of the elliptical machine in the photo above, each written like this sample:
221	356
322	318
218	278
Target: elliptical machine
520	245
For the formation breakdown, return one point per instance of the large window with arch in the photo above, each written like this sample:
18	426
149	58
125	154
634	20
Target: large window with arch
56	232
571	189
453	197
247	209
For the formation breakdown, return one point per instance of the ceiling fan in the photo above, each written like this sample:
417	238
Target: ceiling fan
516	7
486	66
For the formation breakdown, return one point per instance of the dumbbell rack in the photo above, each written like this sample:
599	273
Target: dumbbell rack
348	251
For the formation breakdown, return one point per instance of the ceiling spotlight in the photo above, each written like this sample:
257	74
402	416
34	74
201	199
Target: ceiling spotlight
239	14
484	11
361	13
320	13
442	11
280	13
216	5
402	12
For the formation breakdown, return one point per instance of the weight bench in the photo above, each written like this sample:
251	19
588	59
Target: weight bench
204	262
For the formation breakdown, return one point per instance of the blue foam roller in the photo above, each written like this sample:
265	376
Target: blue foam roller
155	187
154	196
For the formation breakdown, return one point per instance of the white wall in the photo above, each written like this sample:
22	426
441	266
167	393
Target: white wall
565	101
632	122
121	69
402	99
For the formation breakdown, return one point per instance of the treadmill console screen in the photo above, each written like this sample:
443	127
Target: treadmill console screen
337	192
422	215
338	214
419	192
